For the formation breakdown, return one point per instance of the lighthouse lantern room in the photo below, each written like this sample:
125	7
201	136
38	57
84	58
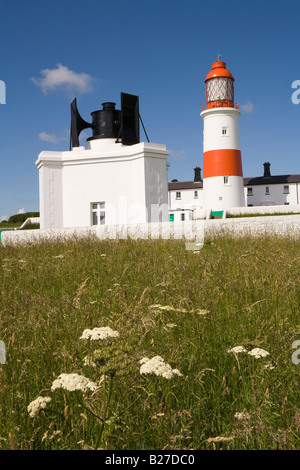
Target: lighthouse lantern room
222	162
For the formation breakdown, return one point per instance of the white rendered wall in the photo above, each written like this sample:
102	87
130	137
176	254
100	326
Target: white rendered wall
259	198
187	200
287	225
156	185
277	195
124	177
264	210
219	196
50	193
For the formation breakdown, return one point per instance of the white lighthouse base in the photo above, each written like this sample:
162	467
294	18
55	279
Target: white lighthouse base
223	192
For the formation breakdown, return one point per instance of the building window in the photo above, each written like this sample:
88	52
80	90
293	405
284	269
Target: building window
195	194
267	190
224	131
249	191
226	179
286	189
98	213
286	203
182	217
178	194
250	205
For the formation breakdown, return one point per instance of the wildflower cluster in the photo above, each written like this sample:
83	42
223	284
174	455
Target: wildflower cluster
72	382
37	405
99	333
256	352
157	366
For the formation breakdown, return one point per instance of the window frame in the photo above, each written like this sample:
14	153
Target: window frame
99	211
286	189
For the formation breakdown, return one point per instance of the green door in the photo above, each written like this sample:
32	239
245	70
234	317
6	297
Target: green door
171	217
216	214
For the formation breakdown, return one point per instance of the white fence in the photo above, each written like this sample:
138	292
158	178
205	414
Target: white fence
193	231
263	210
189	230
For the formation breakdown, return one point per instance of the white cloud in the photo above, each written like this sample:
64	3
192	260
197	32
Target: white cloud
65	79
50	137
247	107
4	217
178	155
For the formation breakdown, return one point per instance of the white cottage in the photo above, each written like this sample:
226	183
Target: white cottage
260	191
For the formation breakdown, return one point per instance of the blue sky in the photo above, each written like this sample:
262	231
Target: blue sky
161	51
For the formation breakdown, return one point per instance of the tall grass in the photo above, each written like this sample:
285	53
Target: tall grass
234	292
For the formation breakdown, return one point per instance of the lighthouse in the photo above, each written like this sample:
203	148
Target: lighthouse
222	162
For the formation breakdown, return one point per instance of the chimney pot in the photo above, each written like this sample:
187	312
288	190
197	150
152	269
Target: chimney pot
197	176
267	172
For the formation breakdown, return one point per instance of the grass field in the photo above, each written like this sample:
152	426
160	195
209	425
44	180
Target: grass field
190	309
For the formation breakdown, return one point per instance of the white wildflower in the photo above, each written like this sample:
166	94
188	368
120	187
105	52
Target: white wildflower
257	353
157	366
99	333
73	382
37	405
237	350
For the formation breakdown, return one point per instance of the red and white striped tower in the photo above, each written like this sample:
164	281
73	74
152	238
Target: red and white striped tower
222	163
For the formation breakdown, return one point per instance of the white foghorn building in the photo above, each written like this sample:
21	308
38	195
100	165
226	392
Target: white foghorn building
115	180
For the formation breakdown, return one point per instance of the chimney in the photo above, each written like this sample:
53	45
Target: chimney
267	172
197	176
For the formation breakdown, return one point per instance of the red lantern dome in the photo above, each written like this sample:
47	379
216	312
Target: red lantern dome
219	87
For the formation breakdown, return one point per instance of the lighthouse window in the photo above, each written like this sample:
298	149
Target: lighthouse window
224	130
98	213
226	179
